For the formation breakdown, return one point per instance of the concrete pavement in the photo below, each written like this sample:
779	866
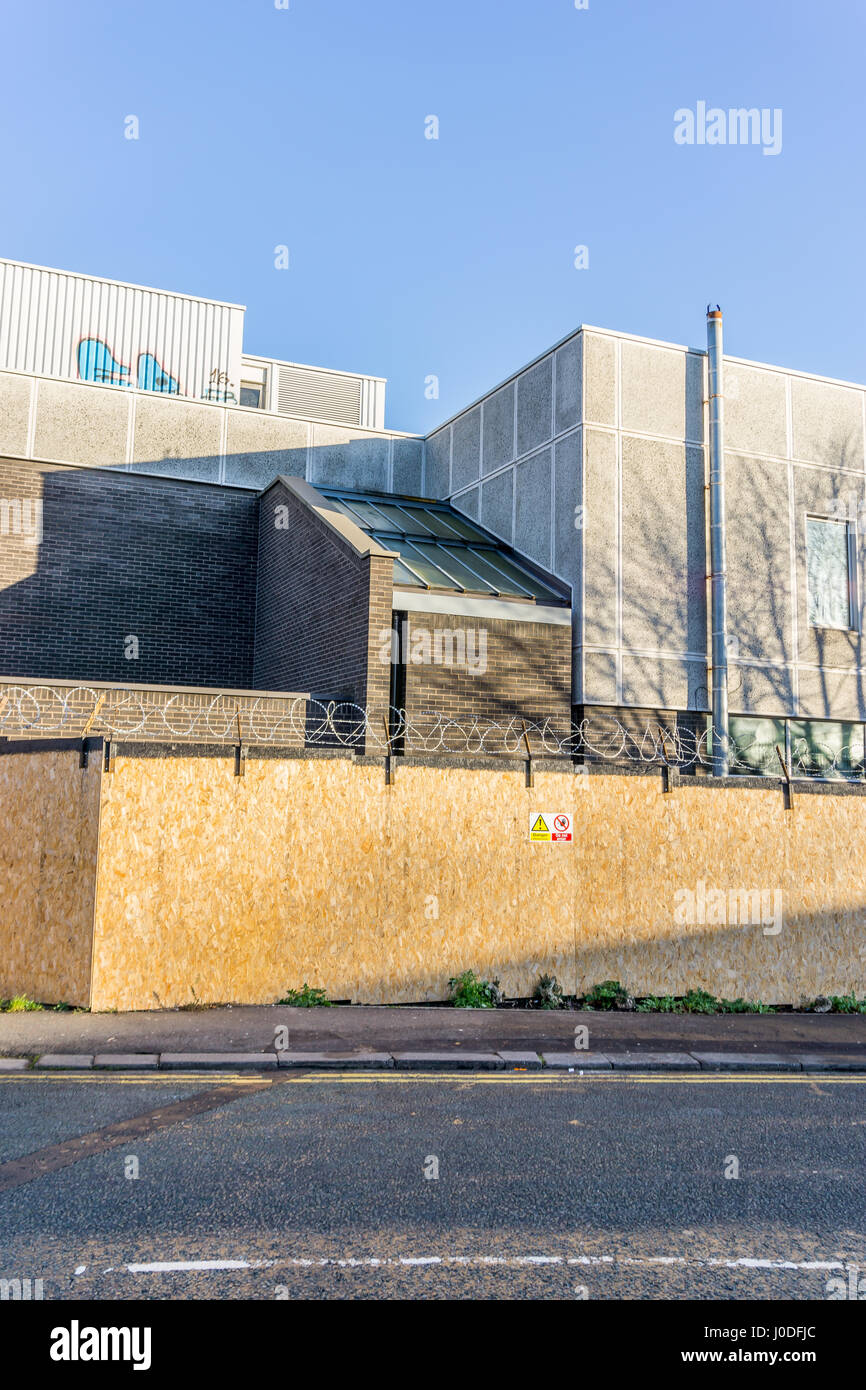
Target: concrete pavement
347	1028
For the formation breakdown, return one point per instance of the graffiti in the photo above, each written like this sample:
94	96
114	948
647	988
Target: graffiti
219	387
96	362
153	377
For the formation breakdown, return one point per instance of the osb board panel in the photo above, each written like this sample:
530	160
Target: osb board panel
49	821
220	888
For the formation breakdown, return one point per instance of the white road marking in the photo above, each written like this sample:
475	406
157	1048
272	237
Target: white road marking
187	1266
471	1261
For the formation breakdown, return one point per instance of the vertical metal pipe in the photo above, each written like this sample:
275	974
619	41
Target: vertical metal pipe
718	544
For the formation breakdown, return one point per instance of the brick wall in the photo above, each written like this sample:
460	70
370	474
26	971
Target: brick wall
171	563
320	607
649	730
524	672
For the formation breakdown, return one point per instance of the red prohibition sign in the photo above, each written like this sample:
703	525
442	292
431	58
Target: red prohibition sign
560	823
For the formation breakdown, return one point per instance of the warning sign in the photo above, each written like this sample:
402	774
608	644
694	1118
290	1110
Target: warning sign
550	827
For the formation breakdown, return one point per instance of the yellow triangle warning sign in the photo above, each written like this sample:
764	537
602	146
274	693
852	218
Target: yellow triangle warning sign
539	827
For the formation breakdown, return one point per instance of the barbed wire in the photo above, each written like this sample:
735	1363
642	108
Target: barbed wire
81	711
298	721
430	731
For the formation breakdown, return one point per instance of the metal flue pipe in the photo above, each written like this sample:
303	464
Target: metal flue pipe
718	544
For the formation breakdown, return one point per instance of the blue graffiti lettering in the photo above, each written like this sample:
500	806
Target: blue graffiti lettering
97	363
153	377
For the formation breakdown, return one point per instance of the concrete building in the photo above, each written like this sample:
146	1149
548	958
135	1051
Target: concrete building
144	444
593	461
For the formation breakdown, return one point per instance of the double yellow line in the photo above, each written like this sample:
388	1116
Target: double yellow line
465	1078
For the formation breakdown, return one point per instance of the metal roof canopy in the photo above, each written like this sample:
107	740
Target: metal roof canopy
440	548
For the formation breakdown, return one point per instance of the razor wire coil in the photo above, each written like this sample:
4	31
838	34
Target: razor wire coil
37	711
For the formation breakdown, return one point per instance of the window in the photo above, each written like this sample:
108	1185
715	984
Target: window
828	573
251	395
822	748
754	743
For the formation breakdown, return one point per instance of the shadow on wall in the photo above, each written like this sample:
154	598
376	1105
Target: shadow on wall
806	959
112	576
116	577
145	576
333	455
815	953
495	671
665	594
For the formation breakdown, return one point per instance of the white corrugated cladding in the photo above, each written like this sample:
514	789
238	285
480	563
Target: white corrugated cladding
324	395
58	324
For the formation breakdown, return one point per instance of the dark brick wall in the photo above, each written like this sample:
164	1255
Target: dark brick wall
172	563
527	676
647	731
603	719
218	595
320	607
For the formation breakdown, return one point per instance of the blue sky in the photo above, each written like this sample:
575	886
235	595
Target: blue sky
412	257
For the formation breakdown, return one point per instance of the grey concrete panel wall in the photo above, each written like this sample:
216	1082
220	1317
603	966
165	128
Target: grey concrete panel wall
662	391
100	426
698	634
15	394
833	694
599	379
261	447
600	531
498	429
437	477
819	492
696	393
206	470
827	423
663	555
755	411
466	449
408	466
533	507
535	406
176	438
567	512
79	425
497	504
655	683
598	684
760	690
569	384
469	502
642	551
342	457
760	598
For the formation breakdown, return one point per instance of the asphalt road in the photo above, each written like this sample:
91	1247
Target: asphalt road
551	1187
